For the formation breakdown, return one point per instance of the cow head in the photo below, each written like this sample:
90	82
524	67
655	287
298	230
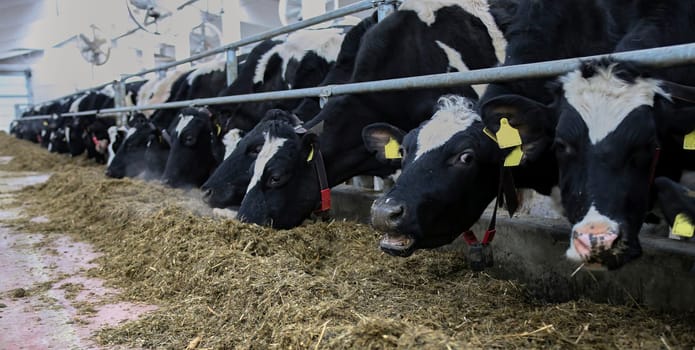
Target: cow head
606	144
129	159
195	136
604	138
449	176
227	184
278	194
73	131
116	136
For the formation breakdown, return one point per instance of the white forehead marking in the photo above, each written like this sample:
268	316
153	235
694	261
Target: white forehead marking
456	61
205	68
455	114
592	216
161	91
231	140
603	101
108	91
183	123
425	10
269	149
323	42
130	133
75	106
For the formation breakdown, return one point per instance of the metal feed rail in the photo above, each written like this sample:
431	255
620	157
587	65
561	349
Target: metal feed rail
231	48
677	55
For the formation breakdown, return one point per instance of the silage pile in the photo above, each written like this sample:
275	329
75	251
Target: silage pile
222	284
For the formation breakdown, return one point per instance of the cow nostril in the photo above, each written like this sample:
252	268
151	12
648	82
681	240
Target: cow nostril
207	193
387	214
396	213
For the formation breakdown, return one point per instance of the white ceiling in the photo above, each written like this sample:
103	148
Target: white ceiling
16	19
27	25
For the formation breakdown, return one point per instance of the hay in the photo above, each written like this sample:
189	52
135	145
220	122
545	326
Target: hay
31	157
222	284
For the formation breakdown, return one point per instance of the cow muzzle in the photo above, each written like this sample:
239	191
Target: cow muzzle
387	215
591	240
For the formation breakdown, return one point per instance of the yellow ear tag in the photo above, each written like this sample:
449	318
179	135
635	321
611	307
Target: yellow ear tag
311	155
219	129
689	141
507	136
391	149
490	134
514	158
682	226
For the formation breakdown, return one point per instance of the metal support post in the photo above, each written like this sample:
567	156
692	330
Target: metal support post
232	66
386	7
119	100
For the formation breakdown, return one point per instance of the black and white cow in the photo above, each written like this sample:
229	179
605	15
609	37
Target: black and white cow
444	190
604	129
227	185
196	148
422	37
446	182
301	61
144	149
243	84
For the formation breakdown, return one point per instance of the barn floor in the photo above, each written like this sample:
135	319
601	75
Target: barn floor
80	252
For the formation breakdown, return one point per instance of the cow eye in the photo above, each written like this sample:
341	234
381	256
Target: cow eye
562	148
189	140
276	180
255	149
465	158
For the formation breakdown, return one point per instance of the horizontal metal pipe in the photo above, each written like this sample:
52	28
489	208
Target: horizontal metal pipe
341	12
657	57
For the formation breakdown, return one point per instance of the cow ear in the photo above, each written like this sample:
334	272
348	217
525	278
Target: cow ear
676	119
384	140
677	205
533	121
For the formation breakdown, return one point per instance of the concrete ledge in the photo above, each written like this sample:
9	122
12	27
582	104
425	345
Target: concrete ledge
531	250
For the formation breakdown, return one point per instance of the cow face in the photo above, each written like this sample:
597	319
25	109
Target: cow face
605	144
73	133
277	194
227	185
116	136
448	178
129	159
191	157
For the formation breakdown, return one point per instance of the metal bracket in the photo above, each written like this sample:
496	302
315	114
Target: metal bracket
325	93
385	8
232	65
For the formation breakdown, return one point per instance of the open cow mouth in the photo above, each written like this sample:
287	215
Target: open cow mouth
397	245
